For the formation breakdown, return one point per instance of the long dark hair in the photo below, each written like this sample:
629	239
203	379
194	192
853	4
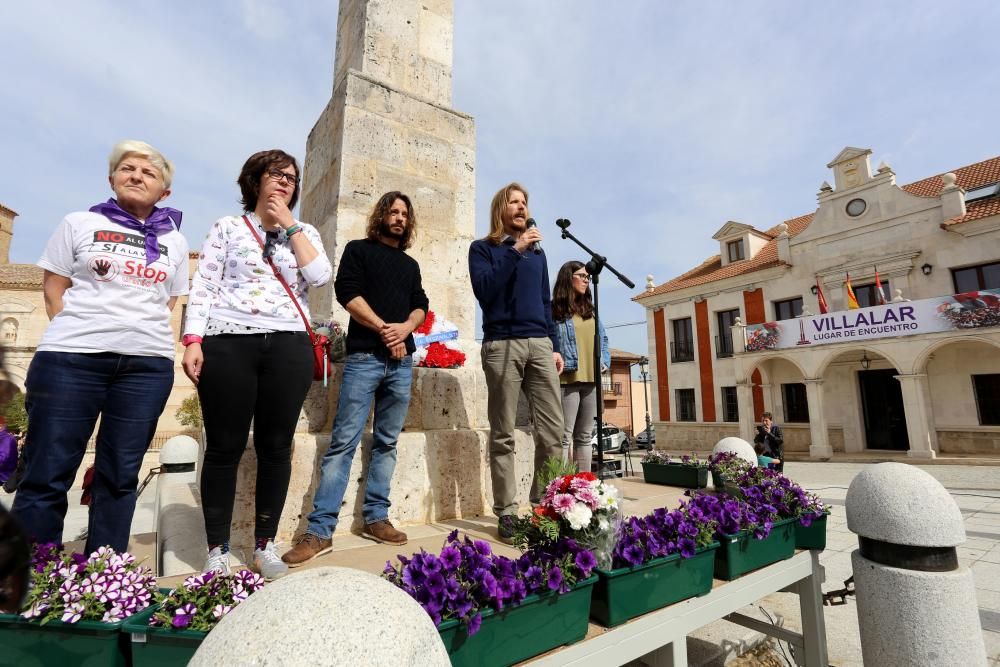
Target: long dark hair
566	302
15	561
381	210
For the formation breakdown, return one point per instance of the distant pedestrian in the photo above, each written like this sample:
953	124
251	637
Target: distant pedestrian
769	435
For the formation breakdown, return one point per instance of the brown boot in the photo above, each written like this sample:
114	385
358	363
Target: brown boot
306	548
382	531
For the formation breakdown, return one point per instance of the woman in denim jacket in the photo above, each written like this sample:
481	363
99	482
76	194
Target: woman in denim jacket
573	313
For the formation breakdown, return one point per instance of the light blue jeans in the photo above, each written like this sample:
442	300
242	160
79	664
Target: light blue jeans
367	377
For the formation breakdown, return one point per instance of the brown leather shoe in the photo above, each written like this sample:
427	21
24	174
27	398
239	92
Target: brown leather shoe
382	531
306	548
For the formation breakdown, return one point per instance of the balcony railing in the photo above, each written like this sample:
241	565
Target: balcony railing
682	350
724	346
614	388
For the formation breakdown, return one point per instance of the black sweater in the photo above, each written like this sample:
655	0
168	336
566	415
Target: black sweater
388	280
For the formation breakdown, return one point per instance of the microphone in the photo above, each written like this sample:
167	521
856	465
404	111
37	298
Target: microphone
536	246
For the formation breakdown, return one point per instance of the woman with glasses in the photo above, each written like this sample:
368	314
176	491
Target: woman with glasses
112	276
573	313
248	351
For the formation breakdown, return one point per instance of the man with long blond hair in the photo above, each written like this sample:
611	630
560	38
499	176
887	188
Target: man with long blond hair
380	286
510	278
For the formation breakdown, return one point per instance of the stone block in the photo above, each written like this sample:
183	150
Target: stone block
902	504
180	530
302	619
436	36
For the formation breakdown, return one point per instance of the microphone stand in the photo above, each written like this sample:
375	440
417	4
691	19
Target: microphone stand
594	267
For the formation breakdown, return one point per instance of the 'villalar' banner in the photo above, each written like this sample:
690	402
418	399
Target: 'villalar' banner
971	310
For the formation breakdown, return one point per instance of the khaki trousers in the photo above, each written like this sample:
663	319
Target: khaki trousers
510	365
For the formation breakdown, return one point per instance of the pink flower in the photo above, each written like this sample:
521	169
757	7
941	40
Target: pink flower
589	497
563	502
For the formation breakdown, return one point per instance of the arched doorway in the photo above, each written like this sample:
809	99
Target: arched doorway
863	385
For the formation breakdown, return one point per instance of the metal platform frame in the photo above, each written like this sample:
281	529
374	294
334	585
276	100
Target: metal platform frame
660	637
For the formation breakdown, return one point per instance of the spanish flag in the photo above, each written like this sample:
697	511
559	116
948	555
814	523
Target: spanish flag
879	294
823	308
852	301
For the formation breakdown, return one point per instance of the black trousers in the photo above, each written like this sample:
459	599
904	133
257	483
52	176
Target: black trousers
258	377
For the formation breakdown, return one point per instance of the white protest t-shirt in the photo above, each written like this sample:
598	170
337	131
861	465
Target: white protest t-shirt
116	303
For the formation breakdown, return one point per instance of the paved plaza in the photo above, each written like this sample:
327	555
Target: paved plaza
976	489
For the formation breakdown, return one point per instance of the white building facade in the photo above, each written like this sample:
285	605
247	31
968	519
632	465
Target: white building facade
840	383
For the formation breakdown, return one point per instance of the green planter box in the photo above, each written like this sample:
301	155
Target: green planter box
83	644
160	647
628	592
676	474
718	481
741	553
537	625
812	537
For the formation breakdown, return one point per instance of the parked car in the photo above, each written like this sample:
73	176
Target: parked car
646	439
613	440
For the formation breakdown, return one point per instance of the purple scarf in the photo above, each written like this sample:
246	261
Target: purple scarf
160	222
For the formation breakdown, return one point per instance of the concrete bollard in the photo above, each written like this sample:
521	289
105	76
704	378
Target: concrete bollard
177	515
738	446
916	604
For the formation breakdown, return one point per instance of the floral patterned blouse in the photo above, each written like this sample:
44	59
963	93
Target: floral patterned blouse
234	283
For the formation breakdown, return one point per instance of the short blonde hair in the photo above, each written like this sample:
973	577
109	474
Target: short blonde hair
134	147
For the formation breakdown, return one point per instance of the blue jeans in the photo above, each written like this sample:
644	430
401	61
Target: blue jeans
367	377
66	393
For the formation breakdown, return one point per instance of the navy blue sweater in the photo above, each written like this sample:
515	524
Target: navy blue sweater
513	291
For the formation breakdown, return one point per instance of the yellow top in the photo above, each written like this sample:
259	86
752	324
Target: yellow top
584	372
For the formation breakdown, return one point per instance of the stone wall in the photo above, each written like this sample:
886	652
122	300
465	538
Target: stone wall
702	436
984	440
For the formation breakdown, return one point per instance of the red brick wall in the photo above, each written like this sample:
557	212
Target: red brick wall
707	382
753	303
662	385
618	407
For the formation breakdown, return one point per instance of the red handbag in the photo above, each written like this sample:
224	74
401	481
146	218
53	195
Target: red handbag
320	344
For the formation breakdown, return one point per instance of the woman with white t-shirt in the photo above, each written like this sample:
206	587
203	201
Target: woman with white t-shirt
112	276
248	351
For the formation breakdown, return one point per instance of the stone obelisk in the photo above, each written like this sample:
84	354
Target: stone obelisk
390	126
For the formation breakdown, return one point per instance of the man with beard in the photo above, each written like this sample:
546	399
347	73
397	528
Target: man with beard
380	286
510	279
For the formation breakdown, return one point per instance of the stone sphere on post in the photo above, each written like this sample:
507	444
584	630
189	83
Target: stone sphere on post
916	603
738	446
179	459
326	616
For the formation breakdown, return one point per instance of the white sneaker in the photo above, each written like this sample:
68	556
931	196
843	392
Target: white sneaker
217	561
268	563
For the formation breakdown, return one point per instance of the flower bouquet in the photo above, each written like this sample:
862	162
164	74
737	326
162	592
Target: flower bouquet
172	631
577	506
437	345
688	471
479	600
75	607
661	558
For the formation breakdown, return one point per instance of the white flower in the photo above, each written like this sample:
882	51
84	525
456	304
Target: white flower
579	516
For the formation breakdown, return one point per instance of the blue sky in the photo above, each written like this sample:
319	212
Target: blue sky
648	123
